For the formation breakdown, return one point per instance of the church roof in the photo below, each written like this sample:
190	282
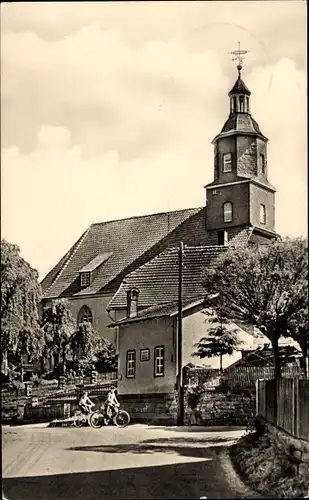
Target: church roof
128	241
157	280
240	88
241	122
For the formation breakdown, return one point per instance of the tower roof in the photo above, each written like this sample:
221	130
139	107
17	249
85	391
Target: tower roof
240	123
240	87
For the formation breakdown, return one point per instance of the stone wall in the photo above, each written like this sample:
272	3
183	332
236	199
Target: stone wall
160	409
213	408
46	413
297	449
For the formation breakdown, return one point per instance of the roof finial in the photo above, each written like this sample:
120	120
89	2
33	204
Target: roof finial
238	55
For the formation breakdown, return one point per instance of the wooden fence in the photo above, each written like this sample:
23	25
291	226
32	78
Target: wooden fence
284	403
240	376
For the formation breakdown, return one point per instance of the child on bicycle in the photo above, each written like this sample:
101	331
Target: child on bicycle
85	403
111	403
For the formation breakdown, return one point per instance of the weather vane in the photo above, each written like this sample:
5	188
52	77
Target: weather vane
238	55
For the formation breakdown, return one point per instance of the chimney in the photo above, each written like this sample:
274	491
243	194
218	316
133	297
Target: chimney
132	299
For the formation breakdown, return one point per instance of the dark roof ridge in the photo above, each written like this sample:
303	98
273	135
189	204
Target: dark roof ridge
147	215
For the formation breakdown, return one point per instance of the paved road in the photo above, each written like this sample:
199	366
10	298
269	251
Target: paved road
139	462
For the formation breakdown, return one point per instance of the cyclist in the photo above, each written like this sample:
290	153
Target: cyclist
111	403
85	402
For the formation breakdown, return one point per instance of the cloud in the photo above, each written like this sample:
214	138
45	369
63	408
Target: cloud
97	126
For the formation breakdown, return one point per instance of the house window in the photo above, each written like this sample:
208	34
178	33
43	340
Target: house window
261	164
228	212
131	363
262	214
85	315
223	238
214	192
159	361
144	355
227	162
85	279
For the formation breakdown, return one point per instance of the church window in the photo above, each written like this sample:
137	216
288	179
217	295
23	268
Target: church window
85	315
228	212
84	279
262	164
227	162
262	214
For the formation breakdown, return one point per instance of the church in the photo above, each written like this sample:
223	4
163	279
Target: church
240	210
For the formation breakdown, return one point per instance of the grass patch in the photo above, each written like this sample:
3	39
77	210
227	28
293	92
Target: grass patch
267	468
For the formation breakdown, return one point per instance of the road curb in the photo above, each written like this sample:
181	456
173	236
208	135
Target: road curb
233	478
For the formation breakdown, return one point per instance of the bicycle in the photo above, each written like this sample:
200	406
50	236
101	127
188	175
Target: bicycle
98	418
81	417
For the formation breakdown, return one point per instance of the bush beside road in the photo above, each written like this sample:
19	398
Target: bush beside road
267	467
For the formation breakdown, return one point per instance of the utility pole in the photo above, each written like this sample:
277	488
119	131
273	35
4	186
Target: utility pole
179	338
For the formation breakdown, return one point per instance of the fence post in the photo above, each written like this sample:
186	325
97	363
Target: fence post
257	396
296	419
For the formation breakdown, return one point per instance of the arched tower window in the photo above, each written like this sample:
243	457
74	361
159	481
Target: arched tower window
247	105
241	103
234	104
227	211
261	164
85	315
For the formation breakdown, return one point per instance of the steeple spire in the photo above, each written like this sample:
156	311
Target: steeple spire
239	55
239	95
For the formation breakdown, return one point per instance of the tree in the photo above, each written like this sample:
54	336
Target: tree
84	342
262	285
20	297
220	340
58	327
106	357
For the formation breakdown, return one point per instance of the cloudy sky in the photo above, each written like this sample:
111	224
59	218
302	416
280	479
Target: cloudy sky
108	111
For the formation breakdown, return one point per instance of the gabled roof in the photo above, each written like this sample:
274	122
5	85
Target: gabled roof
162	310
126	239
157	280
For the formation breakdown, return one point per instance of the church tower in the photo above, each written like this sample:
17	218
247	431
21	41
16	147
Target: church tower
240	196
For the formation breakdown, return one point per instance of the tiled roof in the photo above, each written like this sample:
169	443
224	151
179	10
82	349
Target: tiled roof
157	280
240	88
170	309
127	239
